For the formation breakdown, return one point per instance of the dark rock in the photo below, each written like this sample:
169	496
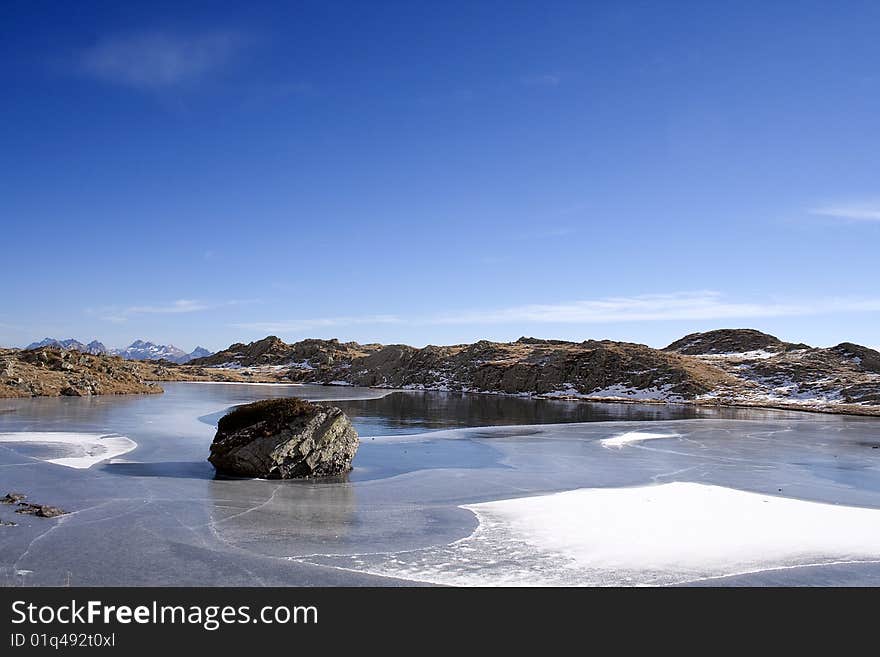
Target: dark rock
866	358
284	439
725	341
39	510
12	498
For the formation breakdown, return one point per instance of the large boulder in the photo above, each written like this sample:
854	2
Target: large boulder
284	439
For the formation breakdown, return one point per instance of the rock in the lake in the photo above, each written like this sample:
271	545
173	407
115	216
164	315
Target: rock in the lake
284	439
12	498
39	510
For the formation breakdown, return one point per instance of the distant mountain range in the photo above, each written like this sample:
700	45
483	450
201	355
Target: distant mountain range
137	350
94	347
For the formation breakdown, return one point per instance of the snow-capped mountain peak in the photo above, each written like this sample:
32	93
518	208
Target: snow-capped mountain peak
143	350
137	350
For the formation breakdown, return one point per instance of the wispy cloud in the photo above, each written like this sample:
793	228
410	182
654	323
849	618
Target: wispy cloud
551	79
309	324
645	308
119	315
698	305
702	305
158	60
850	211
179	306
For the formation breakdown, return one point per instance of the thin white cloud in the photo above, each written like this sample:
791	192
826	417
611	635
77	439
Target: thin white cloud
703	305
551	79
850	212
116	318
692	306
298	325
159	60
656	307
180	306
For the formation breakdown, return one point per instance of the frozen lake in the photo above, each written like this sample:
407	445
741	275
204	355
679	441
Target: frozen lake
447	489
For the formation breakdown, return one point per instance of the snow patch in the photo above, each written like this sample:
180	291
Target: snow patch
634	437
757	354
89	448
649	535
617	391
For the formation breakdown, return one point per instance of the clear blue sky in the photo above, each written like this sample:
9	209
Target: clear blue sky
439	172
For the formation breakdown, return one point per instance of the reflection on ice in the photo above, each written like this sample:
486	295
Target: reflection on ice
266	517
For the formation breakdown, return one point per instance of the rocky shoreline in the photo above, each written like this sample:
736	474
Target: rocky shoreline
727	367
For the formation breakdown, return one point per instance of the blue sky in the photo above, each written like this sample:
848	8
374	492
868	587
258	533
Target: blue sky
439	172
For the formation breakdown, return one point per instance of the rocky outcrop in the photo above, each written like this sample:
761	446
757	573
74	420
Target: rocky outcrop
30	508
273	351
864	358
726	366
730	341
528	366
767	371
39	510
50	371
284	439
554	368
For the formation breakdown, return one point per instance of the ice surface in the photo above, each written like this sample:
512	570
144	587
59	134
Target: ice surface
442	490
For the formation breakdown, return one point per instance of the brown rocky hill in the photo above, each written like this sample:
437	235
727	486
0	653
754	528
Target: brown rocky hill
723	341
770	371
272	350
52	371
529	366
726	366
865	358
49	371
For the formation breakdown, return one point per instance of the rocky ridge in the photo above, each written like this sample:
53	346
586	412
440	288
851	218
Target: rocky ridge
723	367
767	371
49	371
527	366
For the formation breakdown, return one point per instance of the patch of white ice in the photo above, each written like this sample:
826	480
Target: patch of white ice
633	437
89	448
649	535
